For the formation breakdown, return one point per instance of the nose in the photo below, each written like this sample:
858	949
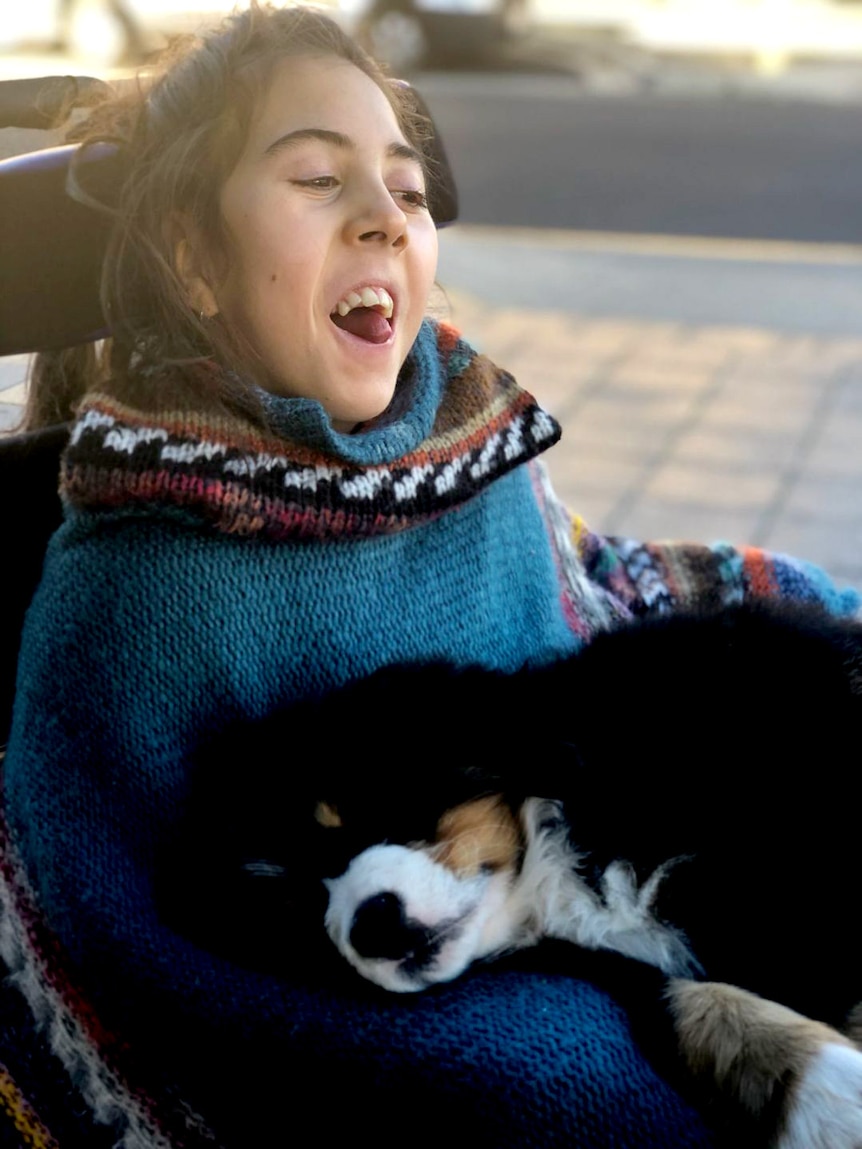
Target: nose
377	218
380	929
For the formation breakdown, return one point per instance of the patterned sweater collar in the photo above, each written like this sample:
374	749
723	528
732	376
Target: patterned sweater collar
457	423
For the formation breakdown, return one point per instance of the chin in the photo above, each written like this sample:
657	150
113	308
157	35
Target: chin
351	417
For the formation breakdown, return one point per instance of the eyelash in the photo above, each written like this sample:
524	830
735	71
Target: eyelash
319	183
412	197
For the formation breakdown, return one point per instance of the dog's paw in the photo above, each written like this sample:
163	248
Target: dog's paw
825	1105
764	1067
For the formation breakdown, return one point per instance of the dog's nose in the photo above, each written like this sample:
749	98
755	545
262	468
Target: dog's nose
381	930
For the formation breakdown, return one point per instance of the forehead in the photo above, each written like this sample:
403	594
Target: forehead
324	92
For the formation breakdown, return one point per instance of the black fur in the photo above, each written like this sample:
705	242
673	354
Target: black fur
726	742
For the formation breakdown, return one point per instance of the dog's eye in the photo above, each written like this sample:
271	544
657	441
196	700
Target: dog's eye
261	868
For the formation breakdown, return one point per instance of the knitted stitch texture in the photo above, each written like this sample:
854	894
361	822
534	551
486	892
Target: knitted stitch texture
328	484
209	571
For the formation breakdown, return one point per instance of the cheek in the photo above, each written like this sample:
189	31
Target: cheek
427	255
263	295
267	250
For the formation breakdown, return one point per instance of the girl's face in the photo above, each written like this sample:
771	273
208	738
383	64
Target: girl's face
331	252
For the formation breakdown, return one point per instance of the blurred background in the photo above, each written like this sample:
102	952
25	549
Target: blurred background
660	234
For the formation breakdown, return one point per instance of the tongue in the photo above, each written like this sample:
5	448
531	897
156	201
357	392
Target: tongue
366	322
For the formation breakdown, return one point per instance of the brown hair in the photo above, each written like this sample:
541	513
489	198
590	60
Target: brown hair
181	129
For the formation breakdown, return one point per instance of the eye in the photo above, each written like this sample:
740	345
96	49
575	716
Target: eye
411	198
318	183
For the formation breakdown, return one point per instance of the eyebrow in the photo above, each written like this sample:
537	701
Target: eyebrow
396	150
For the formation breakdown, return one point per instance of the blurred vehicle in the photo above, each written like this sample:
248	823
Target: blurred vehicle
409	34
104	32
406	34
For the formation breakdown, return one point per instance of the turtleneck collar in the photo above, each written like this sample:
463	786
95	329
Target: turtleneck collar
456	424
402	427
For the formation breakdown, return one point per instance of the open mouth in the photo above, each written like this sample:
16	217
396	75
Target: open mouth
367	314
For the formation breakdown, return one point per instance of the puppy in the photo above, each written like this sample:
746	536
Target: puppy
670	813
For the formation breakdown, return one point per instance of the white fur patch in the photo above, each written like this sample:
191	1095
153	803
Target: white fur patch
470	912
488	913
826	1105
620	917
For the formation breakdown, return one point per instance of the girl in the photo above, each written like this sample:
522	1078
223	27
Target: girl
282	477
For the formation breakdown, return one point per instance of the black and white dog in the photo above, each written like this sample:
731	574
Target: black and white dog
680	795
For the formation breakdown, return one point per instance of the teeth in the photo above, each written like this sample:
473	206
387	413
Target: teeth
368	297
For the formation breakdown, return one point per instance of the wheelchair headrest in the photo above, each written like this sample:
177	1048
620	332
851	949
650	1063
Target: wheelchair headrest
52	249
52	246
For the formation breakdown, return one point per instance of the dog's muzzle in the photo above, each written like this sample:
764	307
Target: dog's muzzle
405	921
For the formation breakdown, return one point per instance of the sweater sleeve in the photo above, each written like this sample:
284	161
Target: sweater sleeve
651	578
626	577
656	577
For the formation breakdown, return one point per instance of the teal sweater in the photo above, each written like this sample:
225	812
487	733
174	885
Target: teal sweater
208	570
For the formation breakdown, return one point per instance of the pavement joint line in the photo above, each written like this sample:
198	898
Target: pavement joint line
627	502
791	474
669	246
597	381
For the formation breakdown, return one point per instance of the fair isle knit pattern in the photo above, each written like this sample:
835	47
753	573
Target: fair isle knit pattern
245	483
88	1052
655	578
586	607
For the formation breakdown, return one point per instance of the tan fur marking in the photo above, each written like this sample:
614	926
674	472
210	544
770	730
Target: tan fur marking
479	833
327	816
749	1047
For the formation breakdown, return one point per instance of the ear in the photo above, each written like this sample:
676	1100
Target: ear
193	273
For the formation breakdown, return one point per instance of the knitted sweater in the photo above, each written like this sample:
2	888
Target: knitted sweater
206	571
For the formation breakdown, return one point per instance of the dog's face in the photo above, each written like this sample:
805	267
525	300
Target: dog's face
409	914
410	888
407	859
